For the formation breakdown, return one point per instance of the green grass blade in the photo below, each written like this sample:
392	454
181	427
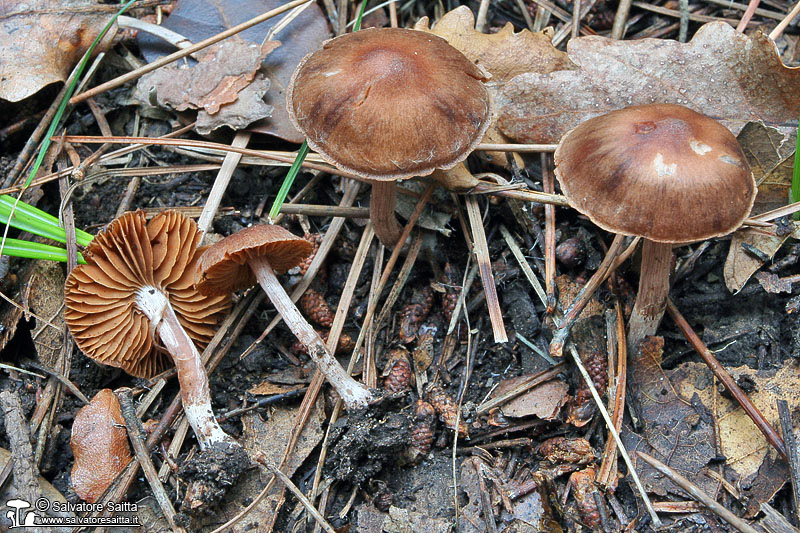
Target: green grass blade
357	25
35	250
36	221
288	180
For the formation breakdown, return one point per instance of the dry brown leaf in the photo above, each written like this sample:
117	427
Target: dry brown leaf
772	283
46	300
42	40
752	461
740	263
199	19
732	77
268	436
544	401
504	54
676	428
770	155
223	86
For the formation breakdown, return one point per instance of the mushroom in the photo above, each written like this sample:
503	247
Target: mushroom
662	172
99	443
137	287
253	255
389	104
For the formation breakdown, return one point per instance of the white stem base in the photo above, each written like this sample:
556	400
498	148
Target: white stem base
192	375
353	394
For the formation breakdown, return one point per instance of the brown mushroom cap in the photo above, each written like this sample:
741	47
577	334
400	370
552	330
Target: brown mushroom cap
99	443
660	171
224	266
391	103
131	253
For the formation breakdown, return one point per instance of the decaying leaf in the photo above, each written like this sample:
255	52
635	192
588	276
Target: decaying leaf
721	73
268	389
199	19
261	436
504	54
770	155
670	422
750	248
223	86
544	401
42	40
753	463
45	299
100	445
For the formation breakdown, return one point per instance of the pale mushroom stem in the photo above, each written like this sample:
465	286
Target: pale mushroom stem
651	300
353	394
192	376
381	212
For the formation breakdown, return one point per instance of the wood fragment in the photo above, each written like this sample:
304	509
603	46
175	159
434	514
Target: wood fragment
26	475
792	456
485	269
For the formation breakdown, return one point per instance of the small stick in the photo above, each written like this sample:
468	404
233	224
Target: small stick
550	231
393	14
683	31
774	34
297	493
583	297
166	60
748	14
791	447
136	436
752	411
620	19
695	492
221	182
485	268
312	210
616	329
480	20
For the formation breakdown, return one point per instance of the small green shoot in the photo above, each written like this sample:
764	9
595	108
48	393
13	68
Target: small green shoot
35	250
36	221
303	152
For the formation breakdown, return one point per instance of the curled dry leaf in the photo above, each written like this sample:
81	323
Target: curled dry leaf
223	85
199	19
721	73
543	401
770	154
504	55
100	445
42	40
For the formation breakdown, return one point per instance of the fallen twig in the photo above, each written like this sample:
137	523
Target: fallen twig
695	492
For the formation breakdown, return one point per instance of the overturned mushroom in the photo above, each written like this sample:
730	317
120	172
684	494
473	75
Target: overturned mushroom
389	104
99	443
253	255
137	288
662	172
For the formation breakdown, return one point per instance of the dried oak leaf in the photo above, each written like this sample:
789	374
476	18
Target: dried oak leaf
42	40
99	443
223	86
543	401
504	54
732	77
199	19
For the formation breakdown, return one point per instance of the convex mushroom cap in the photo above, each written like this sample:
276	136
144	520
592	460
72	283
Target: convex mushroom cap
129	255
391	103
660	171
224	267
